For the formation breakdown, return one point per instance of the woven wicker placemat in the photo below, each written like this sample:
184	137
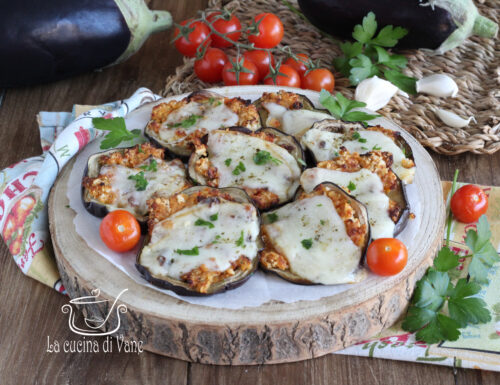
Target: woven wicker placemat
475	66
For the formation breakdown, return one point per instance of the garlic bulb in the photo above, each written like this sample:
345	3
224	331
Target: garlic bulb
452	119
375	92
437	85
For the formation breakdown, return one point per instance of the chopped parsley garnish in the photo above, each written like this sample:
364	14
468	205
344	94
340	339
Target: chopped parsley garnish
263	157
193	251
376	147
152	166
140	182
322	222
202	222
358	137
273	217
240	241
140	150
214	217
239	169
307	243
319	205
351	186
364	148
188	122
227	162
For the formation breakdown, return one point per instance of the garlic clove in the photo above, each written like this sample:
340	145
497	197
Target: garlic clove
375	92
452	119
438	85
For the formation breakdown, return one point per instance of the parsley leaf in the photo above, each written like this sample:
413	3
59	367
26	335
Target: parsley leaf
368	56
117	132
202	222
193	251
241	240
239	169
351	186
262	157
273	217
214	217
446	260
140	181
227	162
307	243
464	308
484	253
340	107
152	166
376	148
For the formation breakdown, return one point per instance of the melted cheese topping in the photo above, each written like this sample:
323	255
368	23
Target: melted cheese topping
234	233
369	190
280	178
293	122
169	178
325	145
332	258
213	116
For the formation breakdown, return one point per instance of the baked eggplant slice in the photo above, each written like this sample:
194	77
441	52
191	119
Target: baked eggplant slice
175	124
325	138
126	178
369	179
265	163
289	112
201	241
320	238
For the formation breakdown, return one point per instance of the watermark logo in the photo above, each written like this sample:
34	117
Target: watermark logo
93	328
94	324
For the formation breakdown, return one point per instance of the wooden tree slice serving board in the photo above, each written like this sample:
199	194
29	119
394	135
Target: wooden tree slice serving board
274	332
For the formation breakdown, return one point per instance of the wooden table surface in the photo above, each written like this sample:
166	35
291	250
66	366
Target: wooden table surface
30	312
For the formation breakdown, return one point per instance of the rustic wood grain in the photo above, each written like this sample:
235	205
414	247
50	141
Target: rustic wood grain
30	311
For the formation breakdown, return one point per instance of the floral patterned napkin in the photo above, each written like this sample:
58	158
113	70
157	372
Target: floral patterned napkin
25	187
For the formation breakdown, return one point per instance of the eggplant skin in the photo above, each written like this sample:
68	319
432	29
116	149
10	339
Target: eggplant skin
427	28
54	39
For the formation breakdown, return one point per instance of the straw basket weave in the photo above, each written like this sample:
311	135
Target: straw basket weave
475	66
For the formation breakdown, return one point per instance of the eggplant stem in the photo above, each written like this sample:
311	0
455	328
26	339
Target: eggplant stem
161	20
485	27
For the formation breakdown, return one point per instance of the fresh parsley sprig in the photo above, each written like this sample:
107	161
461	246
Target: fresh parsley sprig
367	56
140	181
263	157
342	108
117	132
435	291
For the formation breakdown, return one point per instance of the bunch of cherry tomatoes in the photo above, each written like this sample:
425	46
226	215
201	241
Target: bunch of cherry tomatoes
206	38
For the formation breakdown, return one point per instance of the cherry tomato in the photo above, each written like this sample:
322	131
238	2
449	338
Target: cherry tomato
318	79
209	67
262	59
468	203
231	27
270	31
120	231
386	256
290	79
188	46
300	64
245	78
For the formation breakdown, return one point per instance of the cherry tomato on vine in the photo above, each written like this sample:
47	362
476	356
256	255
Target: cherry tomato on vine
468	203
262	59
386	256
270	31
318	79
298	65
290	77
120	231
209	67
195	38
242	72
231	27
